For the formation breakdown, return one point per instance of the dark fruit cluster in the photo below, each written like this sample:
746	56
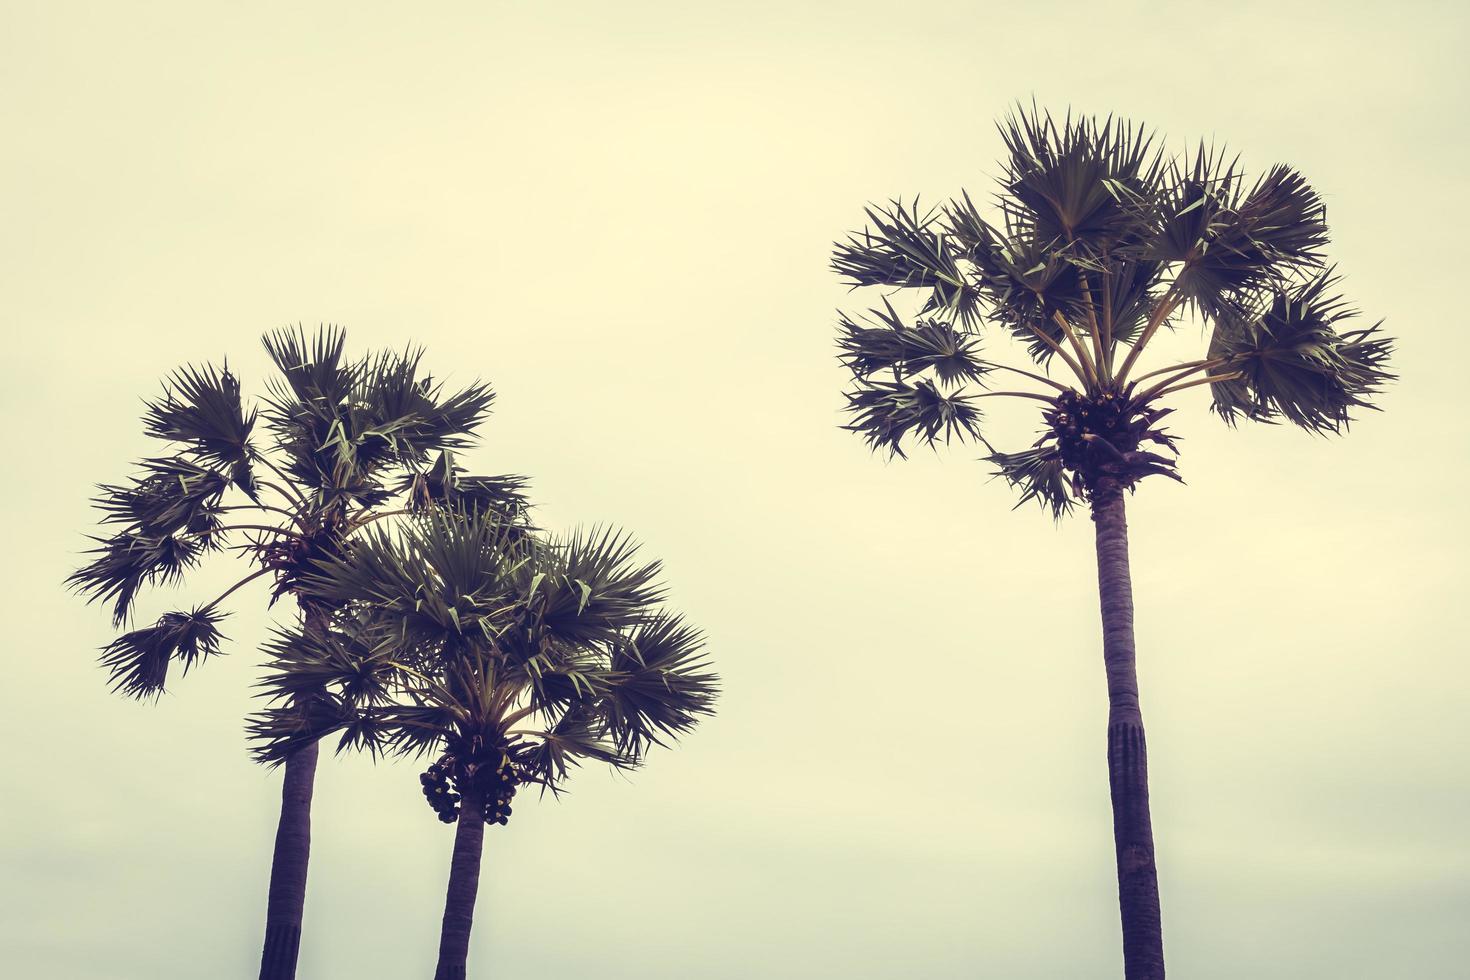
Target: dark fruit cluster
496	779
499	787
443	800
1097	440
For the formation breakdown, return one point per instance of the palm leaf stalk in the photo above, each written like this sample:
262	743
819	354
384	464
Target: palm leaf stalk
1099	242
279	483
508	659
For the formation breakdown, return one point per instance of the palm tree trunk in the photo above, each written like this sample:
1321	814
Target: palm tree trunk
286	899
1138	885
287	895
464	884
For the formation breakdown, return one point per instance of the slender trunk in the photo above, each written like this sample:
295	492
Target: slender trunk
287	896
288	869
464	884
1138	884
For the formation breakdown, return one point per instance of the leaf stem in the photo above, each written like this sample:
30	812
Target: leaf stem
295	518
1077	345
1211	379
1176	375
288	489
236	587
1167	303
1015	394
1203	362
1034	377
272	528
1060	352
1104	367
353	526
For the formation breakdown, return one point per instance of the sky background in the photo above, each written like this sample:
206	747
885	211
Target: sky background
620	215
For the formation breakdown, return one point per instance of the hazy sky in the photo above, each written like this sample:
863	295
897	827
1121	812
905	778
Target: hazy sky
620	214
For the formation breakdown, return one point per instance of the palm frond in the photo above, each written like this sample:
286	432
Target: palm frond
280	730
1295	364
353	661
401	416
439	576
126	562
1233	243
950	352
661	684
172	495
1040	476
1078	184
589	587
549	756
137	662
887	412
201	408
446	485
906	248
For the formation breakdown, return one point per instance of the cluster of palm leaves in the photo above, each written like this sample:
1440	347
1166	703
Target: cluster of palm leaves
433	618
1097	241
345	444
489	648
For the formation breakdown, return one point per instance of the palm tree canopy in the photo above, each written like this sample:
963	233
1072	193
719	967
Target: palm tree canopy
1098	240
505	652
334	444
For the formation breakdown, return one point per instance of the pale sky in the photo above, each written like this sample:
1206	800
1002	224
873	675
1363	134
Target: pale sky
620	214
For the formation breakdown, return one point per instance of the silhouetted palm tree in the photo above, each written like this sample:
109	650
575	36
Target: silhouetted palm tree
1099	241
507	656
345	444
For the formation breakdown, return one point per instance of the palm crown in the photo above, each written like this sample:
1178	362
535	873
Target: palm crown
345	442
512	657
1099	241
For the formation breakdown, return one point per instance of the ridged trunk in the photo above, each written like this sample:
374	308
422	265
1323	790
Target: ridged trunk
464	885
286	899
1138	883
287	896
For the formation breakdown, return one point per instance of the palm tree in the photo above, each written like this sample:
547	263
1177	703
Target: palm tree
509	657
346	443
1100	241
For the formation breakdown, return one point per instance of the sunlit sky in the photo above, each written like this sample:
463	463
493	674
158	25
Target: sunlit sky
620	215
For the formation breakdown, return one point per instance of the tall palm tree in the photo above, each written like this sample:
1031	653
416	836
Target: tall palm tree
1099	241
508	657
346	443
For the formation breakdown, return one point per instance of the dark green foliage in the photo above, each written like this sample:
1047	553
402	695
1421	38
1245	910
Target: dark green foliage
472	641
201	409
905	248
1075	184
344	444
446	485
1036	472
1100	240
885	412
658	686
128	561
343	425
1295	364
951	353
138	661
1235	243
